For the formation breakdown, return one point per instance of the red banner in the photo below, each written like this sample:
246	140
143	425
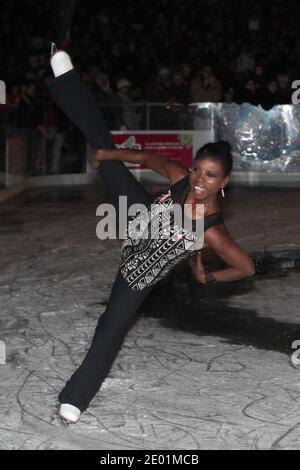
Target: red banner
177	146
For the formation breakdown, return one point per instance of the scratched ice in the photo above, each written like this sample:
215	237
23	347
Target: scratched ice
202	368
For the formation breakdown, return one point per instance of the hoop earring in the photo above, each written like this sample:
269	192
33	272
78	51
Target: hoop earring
223	193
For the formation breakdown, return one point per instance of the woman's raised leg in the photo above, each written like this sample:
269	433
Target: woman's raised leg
76	100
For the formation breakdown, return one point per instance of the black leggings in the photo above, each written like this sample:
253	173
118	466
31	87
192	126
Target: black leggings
78	103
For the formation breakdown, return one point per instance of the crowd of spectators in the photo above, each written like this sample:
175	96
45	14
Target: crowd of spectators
164	51
137	51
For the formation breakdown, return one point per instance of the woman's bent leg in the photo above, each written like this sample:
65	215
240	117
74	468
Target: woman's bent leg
109	334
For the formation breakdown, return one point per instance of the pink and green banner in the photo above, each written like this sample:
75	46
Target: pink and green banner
175	145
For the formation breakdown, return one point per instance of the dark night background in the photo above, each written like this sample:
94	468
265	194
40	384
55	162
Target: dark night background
180	50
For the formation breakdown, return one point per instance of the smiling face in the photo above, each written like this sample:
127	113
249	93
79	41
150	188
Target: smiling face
206	179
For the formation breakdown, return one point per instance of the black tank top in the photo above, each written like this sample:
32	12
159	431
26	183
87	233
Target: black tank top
149	256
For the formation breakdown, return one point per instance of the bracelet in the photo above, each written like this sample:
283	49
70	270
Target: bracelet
209	277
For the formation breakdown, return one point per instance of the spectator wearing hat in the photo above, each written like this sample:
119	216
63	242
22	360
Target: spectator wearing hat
163	90
128	119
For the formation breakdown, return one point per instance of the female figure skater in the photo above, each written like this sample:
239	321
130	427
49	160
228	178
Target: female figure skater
144	261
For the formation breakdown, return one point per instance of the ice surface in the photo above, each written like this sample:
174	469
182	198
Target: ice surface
171	387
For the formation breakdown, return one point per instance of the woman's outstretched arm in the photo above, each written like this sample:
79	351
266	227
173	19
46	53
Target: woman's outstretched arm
240	265
170	169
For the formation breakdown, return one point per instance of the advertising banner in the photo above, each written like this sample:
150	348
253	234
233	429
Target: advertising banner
175	145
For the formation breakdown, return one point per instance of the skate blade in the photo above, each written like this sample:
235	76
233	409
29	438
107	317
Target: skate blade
64	422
